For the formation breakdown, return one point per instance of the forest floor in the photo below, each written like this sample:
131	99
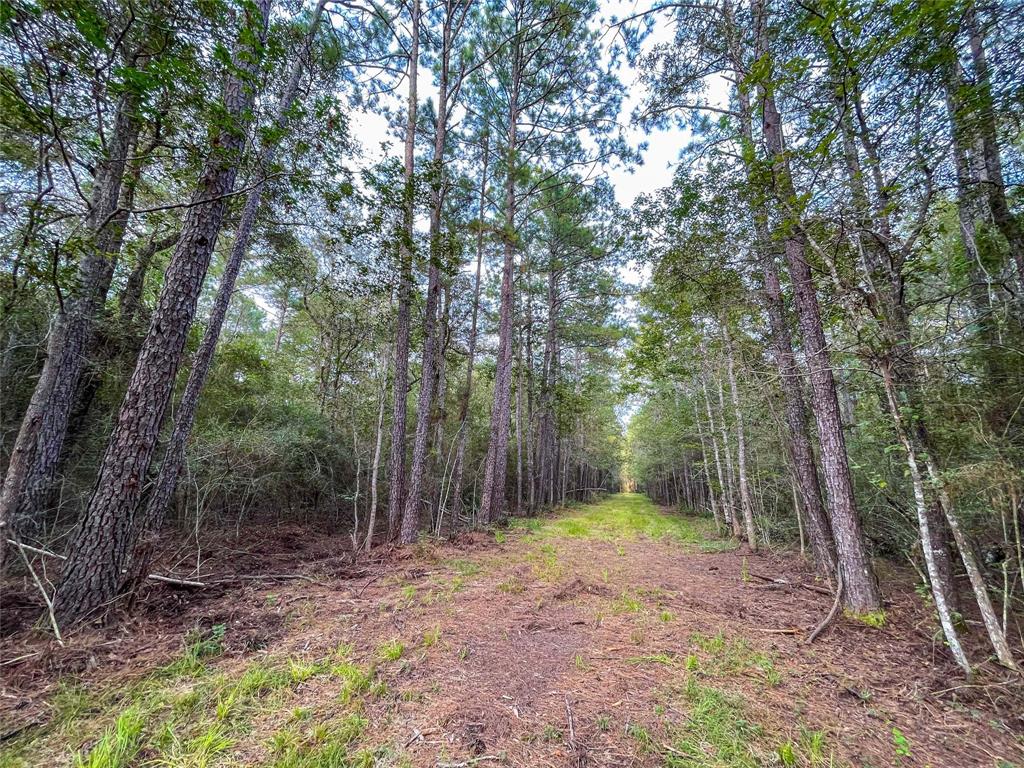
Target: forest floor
613	634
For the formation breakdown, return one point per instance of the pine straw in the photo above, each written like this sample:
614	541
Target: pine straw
603	631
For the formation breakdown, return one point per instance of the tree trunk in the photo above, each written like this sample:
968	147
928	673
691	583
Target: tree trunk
1005	220
102	543
375	468
396	465
460	450
428	377
150	522
492	502
860	588
727	510
37	449
130	300
519	423
741	445
730	472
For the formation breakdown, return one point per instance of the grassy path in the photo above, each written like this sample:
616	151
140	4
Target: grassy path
610	635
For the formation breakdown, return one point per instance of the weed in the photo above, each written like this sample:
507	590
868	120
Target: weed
627	603
431	636
603	723
513	585
300	671
465	568
391	650
787	753
119	744
666	616
200	751
549	733
901	743
625	516
643	738
580	663
716	732
546	565
812	745
73	701
733	656
653	658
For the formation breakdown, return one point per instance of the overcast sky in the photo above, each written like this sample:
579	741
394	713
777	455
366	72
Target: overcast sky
659	158
371	129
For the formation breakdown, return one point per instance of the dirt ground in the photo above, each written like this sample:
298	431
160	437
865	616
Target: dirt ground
566	642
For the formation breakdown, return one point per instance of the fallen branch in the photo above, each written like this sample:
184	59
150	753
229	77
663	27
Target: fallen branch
773	580
368	583
153	576
38	551
179	582
42	591
16	659
832	613
265	577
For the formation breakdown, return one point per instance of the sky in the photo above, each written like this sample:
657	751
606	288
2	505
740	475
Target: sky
659	158
372	130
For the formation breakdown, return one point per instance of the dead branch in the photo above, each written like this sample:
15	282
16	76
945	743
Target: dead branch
832	613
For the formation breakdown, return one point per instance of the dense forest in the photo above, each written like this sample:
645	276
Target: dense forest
367	273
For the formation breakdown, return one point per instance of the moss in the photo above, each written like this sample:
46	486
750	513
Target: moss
874	619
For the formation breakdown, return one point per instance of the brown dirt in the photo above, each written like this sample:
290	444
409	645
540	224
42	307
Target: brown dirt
528	643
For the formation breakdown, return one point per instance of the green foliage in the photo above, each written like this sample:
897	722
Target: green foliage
900	743
716	732
119	744
390	650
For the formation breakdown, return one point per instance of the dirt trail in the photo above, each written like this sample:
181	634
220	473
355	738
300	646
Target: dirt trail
615	635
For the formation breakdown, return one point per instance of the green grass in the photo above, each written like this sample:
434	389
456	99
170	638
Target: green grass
723	657
118	745
717	733
391	650
190	714
625	517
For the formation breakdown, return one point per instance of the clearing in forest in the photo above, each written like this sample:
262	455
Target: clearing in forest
613	634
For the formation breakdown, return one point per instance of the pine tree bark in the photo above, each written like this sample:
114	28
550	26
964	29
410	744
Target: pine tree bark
130	300
492	503
713	502
428	376
37	449
727	510
730	471
150	522
860	589
1006	222
102	544
399	409
798	442
371	523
